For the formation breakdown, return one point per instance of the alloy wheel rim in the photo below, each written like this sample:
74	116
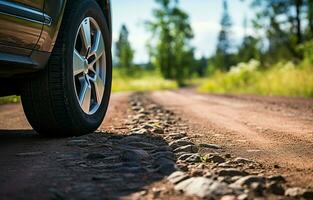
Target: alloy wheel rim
89	66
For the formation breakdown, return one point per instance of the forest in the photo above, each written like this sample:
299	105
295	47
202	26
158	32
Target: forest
278	61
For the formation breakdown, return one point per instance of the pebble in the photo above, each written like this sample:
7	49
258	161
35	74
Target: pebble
77	142
247	181
38	153
158	130
165	166
195	158
184	156
243	160
187	149
198	186
215	158
179	143
231	172
176	136
275	188
297	192
203	188
277	178
95	156
210	146
136	155
177	177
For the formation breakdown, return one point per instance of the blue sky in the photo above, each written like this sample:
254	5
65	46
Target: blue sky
205	16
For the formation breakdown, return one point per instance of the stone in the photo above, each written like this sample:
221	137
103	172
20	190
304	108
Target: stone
182	166
142	144
95	156
257	189
196	172
297	192
142	132
78	142
158	130
243	160
184	156
215	158
196	186
179	143
247	181
203	188
131	138
136	155
229	197
187	149
195	158
275	188
231	172
38	153
210	146
243	197
165	166
176	136
177	177
277	178
147	126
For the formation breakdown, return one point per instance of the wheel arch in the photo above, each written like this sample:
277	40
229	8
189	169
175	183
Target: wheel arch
55	10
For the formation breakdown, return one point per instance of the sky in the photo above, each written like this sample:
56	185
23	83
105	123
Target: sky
205	16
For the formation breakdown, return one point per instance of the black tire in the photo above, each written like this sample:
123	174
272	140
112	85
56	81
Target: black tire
49	99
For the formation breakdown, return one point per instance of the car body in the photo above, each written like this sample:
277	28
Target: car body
28	31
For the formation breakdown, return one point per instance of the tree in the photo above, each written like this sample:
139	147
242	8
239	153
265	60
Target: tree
249	49
222	58
172	33
124	52
283	22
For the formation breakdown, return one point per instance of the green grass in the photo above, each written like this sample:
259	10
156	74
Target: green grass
9	99
279	80
142	81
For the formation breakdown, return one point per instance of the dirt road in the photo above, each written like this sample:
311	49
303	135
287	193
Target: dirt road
276	132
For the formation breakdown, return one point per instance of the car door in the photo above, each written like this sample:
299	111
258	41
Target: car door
21	23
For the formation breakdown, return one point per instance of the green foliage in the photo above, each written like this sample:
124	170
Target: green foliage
124	52
143	80
9	99
279	80
248	50
285	26
172	53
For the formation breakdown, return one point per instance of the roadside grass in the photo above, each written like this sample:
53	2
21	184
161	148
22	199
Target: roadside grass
9	99
141	81
283	79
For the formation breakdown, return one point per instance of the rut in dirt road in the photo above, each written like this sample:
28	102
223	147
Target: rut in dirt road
276	131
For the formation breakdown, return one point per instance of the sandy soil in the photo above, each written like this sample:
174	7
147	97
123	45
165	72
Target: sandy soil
276	131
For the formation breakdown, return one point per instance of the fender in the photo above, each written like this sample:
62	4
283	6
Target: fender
55	10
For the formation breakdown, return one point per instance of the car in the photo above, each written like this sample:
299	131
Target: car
56	55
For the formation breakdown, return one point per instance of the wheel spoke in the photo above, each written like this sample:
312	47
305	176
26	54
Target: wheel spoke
86	33
85	96
78	63
99	88
98	47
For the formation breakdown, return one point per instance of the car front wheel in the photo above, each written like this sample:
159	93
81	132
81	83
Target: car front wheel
71	96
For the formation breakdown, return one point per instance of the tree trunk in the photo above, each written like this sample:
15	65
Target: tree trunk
299	4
